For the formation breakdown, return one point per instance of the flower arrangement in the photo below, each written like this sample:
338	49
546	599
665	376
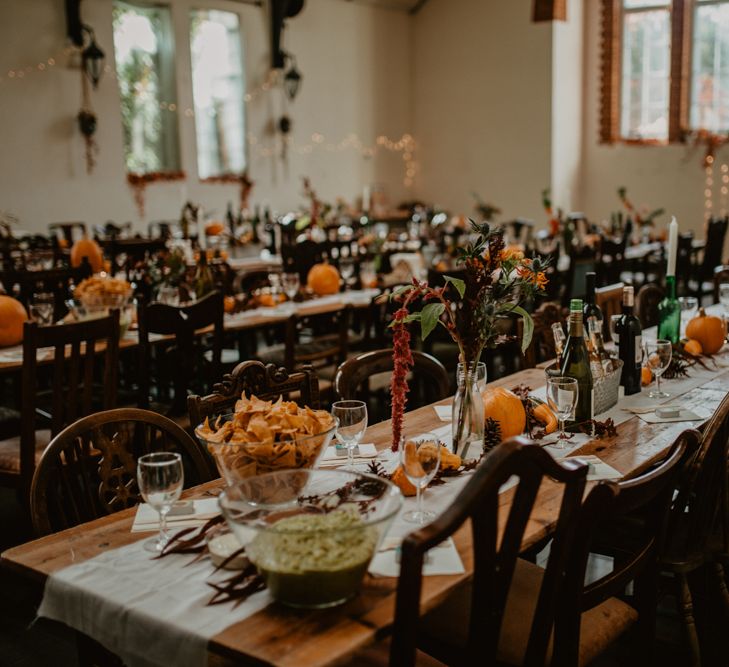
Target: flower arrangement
496	282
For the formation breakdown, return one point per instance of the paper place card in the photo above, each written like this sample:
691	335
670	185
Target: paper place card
684	416
598	470
444	412
339	454
441	559
184	514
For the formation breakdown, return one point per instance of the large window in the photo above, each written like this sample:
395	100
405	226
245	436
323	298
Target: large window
665	69
218	89
144	51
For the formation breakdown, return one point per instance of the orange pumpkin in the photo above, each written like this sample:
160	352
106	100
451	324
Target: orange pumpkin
323	279
400	480
709	330
214	228
229	304
693	347
646	377
506	408
544	415
86	247
12	317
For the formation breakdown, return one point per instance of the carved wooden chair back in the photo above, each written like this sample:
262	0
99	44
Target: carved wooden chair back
715	234
494	559
610	301
89	470
685	258
77	360
649	496
541	347
184	323
649	296
721	275
430	379
68	231
253	377
324	348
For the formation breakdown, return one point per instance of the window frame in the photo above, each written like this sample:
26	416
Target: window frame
681	13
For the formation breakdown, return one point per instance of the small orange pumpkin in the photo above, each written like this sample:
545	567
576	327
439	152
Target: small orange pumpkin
400	480
229	304
214	228
544	415
646	377
12	317
506	408
709	330
323	279
89	248
693	347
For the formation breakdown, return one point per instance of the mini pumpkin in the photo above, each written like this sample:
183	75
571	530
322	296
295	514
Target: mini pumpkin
449	460
86	247
214	228
693	347
12	317
708	330
544	415
506	408
323	279
400	480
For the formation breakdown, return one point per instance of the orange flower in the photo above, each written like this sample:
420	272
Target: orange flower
511	253
538	279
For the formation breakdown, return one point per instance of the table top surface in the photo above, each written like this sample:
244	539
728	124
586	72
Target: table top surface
286	637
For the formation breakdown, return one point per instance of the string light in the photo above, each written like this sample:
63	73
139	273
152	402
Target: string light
44	65
724	189
709	187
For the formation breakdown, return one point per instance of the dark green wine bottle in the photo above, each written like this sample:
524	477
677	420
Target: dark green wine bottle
669	313
630	350
576	363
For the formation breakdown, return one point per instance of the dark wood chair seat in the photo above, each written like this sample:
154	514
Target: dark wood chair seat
602	624
89	470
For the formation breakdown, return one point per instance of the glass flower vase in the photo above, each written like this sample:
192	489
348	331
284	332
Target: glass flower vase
467	417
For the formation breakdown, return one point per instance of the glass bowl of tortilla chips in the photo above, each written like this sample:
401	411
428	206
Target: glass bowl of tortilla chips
262	436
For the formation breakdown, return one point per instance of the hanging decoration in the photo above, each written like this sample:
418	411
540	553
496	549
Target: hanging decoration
87	123
242	180
92	58
139	182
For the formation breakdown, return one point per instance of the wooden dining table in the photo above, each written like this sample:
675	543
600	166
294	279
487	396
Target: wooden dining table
285	637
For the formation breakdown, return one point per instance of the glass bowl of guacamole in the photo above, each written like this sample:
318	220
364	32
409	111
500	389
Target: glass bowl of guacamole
311	533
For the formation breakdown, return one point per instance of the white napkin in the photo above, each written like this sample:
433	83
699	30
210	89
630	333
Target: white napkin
598	470
444	412
684	416
204	509
441	559
338	456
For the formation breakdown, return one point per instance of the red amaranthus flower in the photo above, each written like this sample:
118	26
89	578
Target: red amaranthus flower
403	362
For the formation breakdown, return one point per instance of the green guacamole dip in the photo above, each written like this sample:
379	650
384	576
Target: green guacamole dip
314	560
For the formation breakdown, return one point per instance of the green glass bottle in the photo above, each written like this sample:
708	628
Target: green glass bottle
575	363
669	313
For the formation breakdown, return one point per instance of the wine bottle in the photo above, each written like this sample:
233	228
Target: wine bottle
595	330
255	224
576	363
203	282
669	313
559	339
590	308
230	219
629	344
269	236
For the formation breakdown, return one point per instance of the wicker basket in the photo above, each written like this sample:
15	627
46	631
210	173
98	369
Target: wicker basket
605	388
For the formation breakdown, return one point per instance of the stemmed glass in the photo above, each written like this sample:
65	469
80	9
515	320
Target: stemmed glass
346	269
658	358
420	461
724	296
291	283
351	424
562	393
689	307
160	477
41	308
368	275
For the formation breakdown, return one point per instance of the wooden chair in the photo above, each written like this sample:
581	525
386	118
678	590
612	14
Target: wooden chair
65	230
721	275
610	301
649	296
480	637
253	377
712	257
648	496
430	381
74	393
89	469
185	359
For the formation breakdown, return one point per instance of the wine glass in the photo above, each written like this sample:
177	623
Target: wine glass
346	269
724	296
291	284
420	460
689	306
41	308
368	275
658	358
160	477
351	419
562	393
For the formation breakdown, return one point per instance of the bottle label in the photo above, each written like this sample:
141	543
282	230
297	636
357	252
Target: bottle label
638	350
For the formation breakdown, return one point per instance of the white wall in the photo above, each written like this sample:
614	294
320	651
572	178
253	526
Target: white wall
356	66
482	104
671	177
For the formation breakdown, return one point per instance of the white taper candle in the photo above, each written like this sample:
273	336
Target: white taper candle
672	246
